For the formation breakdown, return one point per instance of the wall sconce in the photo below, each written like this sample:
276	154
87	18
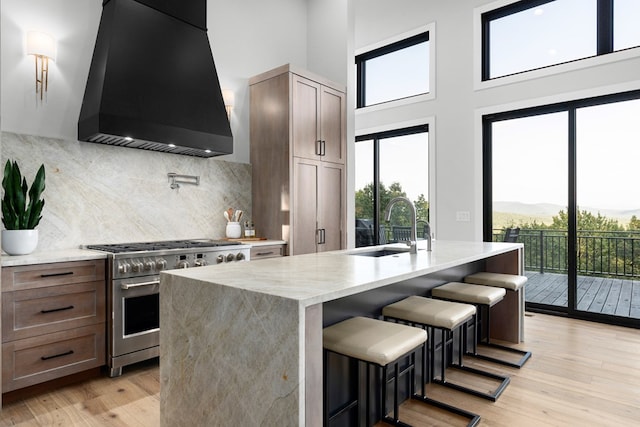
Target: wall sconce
228	97
43	47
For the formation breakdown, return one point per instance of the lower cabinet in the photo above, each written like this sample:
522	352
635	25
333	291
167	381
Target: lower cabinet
318	206
267	251
53	321
34	360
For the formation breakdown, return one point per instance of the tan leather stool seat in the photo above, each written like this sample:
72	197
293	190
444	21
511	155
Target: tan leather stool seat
466	292
512	282
372	340
427	311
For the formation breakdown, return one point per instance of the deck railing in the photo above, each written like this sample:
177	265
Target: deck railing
600	253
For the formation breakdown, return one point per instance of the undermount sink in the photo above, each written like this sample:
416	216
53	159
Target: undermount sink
381	252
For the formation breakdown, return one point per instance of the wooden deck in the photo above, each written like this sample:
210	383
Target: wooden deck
617	297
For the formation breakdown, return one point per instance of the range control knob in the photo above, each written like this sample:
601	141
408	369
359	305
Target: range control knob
123	267
230	257
199	263
149	265
220	259
240	256
183	264
161	264
137	266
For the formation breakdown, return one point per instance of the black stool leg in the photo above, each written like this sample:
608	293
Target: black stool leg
525	355
446	342
428	370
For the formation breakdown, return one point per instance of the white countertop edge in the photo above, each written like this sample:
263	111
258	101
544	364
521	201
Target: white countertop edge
295	277
48	257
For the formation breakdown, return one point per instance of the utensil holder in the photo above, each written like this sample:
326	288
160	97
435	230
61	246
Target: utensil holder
233	231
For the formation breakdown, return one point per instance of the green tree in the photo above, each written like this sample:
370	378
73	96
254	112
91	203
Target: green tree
400	214
634	224
422	208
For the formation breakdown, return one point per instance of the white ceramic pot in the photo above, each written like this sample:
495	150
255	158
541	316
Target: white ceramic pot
19	242
234	231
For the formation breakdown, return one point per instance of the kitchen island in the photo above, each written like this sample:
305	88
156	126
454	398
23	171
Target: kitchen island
241	344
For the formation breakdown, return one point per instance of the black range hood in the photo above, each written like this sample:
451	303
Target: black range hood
153	82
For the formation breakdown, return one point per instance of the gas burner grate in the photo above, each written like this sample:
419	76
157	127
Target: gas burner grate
162	245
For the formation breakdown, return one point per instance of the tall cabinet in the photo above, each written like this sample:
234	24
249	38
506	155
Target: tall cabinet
298	148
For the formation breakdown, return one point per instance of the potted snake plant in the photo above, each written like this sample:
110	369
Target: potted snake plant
21	210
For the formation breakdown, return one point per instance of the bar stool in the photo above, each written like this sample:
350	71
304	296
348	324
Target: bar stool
374	342
511	283
447	317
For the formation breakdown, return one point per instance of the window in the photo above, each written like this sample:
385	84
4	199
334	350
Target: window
533	34
387	165
395	71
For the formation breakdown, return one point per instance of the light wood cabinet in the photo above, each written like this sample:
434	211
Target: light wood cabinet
317	121
298	146
267	251
53	321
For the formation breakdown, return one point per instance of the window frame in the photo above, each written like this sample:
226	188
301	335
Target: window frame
376	135
501	8
390	45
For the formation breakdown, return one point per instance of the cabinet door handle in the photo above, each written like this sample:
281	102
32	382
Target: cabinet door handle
264	253
321	236
70	307
66	353
66	273
323	147
318	148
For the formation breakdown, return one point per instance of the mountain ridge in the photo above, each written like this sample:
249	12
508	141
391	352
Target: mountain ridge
550	209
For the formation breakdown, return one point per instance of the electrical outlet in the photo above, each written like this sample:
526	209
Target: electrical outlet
463	216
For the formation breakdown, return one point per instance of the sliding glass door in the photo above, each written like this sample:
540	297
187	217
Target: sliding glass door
529	175
565	175
608	200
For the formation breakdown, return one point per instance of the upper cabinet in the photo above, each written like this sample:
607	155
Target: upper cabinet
318	121
298	146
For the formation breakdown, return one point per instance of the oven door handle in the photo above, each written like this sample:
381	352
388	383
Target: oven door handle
126	286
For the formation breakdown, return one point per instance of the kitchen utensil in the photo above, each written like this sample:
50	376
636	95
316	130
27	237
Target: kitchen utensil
226	216
230	213
238	215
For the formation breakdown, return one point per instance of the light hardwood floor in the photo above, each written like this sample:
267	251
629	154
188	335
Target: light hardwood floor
580	374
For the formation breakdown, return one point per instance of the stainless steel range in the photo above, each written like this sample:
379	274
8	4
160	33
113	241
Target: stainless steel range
133	290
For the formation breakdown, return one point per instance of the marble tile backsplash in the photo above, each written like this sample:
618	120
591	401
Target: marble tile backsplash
104	194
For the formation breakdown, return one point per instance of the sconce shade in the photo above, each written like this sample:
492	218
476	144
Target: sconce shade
228	97
41	44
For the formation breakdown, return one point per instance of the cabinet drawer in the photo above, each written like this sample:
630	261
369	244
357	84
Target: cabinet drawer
34	360
59	273
262	252
34	312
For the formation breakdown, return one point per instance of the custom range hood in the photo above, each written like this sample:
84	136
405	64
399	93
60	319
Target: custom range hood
153	82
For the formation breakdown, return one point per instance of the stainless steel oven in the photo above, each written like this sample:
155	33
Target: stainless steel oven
136	318
133	290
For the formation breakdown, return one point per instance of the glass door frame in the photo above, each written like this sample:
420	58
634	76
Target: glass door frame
571	108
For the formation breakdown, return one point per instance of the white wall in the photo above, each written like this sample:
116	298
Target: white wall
458	106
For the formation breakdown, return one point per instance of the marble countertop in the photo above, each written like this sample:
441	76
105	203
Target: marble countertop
47	257
317	278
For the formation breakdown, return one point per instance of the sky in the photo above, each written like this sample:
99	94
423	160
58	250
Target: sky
403	159
530	154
